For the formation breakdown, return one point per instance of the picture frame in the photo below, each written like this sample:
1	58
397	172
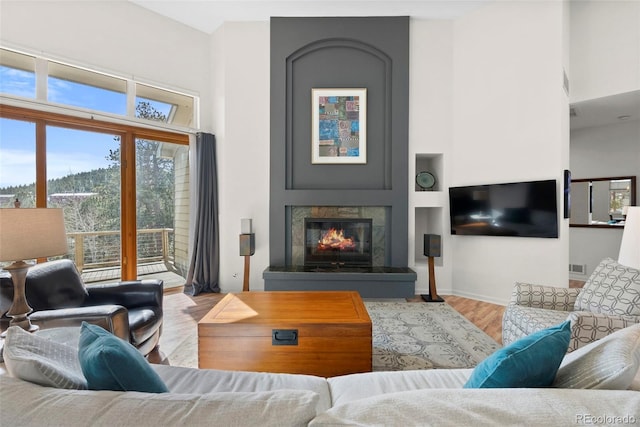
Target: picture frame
339	126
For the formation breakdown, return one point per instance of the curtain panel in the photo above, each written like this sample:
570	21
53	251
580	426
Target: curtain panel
204	269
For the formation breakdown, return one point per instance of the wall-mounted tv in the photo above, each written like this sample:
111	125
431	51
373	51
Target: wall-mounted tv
522	209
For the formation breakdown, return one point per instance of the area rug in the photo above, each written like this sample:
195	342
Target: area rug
406	335
410	335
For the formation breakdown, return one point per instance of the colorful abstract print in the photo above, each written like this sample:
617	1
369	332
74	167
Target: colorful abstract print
339	126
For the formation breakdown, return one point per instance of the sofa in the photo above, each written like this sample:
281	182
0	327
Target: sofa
608	301
597	384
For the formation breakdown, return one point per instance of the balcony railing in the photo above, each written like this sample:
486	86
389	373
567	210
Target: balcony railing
101	249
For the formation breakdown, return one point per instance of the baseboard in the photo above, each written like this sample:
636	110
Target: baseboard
480	297
448	291
441	291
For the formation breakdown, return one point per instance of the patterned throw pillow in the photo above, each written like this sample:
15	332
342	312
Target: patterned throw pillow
33	358
613	288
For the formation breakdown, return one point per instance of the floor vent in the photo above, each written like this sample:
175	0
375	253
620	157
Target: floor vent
578	268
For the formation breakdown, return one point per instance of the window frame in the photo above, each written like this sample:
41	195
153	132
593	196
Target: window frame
187	112
128	135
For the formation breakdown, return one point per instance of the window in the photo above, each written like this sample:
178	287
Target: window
17	163
174	107
124	190
619	196
17	74
69	85
74	86
95	169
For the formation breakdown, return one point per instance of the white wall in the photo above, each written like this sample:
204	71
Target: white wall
605	60
605	48
241	93
486	93
597	152
510	124
601	151
115	37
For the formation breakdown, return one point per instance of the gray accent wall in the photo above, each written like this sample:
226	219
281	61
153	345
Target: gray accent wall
371	53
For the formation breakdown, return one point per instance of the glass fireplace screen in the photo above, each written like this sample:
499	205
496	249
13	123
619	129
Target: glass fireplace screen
338	241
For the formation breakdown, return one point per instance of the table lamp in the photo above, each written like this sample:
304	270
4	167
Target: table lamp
27	234
630	245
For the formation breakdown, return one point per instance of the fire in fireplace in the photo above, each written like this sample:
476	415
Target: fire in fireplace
338	242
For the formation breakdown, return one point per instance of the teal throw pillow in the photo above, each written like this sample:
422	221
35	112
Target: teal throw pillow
531	361
110	363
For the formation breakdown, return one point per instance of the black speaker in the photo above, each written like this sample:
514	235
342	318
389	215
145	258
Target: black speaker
247	244
432	245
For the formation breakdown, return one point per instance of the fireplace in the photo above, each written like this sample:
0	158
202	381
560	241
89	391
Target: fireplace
338	242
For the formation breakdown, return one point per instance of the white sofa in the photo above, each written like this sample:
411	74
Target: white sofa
403	398
406	398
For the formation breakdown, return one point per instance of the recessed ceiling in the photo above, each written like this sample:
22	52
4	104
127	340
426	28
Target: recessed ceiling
208	15
624	107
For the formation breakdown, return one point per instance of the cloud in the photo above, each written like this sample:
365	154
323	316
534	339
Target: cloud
17	167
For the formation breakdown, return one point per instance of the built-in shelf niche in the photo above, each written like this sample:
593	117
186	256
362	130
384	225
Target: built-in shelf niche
433	163
428	221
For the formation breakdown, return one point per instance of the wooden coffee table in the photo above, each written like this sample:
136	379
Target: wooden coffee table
316	333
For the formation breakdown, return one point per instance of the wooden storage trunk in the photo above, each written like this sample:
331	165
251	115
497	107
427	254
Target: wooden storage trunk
316	333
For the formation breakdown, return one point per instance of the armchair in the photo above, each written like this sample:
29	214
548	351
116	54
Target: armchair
130	310
609	300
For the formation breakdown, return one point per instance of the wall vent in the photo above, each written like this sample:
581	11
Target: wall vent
578	268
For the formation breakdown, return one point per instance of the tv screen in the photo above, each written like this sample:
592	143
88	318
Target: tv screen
522	209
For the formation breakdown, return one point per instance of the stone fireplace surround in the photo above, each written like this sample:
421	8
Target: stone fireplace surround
375	281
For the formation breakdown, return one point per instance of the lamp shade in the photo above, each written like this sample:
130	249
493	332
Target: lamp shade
31	233
630	246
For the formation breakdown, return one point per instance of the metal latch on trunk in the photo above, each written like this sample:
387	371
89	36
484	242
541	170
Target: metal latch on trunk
284	337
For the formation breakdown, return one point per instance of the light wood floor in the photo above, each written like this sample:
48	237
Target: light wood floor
182	313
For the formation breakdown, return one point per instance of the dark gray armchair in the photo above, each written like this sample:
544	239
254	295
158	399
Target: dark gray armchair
130	310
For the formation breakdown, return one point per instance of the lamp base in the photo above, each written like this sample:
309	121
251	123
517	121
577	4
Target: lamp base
20	309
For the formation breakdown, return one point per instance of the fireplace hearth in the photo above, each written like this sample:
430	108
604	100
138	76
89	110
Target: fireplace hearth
338	242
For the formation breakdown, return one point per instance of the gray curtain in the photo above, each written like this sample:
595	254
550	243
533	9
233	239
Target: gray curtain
205	263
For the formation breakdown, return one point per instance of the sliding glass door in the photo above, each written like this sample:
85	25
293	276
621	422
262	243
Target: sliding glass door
124	190
17	163
162	209
83	178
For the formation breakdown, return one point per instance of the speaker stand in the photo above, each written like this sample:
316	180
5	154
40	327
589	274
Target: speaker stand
245	282
433	294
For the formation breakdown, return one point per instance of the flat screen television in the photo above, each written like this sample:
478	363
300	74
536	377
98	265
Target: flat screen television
521	209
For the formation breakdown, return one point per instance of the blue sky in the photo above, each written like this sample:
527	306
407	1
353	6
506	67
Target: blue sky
68	151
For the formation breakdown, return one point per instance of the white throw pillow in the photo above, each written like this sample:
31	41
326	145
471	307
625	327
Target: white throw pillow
608	363
38	360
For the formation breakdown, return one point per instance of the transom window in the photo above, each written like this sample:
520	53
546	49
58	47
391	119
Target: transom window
64	84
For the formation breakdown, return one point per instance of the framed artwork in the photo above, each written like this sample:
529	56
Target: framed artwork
339	126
